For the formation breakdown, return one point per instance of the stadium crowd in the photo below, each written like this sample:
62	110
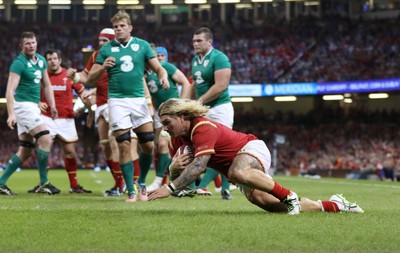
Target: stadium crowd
304	50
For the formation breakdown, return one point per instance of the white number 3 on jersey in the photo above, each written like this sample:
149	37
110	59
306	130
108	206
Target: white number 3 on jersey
38	76
199	78
127	64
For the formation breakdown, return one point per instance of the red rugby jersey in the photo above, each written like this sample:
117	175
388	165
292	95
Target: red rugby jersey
211	138
63	95
102	84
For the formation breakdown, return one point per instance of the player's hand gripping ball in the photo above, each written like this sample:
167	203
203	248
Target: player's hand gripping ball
183	156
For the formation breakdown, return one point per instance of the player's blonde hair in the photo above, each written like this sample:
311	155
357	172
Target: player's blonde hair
183	107
121	15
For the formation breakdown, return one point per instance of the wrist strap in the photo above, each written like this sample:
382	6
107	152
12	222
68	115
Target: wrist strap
171	187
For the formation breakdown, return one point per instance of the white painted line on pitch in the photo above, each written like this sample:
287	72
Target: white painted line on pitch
97	181
340	183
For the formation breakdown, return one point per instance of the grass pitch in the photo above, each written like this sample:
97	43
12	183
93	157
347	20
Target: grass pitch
94	223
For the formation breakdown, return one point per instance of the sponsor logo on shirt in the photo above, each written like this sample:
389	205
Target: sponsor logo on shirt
59	88
115	49
29	65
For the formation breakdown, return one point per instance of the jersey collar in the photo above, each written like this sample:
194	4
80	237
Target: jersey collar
32	61
127	44
200	60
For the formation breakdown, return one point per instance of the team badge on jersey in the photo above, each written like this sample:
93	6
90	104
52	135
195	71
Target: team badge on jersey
115	49
41	64
206	63
135	47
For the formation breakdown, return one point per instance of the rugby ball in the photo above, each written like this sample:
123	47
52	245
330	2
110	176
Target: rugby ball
185	149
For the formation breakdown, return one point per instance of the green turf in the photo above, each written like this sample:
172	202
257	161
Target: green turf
93	223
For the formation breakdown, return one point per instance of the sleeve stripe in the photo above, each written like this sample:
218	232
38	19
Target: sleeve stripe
205	151
81	90
199	124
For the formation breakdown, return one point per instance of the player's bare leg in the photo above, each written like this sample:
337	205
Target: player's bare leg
71	167
161	141
248	172
145	135
110	148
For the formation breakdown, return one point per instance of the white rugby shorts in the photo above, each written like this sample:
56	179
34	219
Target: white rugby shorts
128	113
27	115
63	129
259	150
222	114
101	111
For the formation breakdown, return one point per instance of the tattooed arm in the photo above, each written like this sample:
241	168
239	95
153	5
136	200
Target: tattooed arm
188	175
192	171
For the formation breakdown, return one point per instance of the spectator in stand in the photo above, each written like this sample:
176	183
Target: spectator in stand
388	168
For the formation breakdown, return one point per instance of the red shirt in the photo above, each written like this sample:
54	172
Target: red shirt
211	138
102	84
62	87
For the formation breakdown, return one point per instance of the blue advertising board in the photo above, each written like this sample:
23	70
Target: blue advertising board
299	89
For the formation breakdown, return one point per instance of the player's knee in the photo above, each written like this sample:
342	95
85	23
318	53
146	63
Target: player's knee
123	137
162	143
41	134
237	176
144	137
43	139
26	144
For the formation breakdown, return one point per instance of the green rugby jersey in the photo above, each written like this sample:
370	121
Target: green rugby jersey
158	94
31	74
125	79
203	74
